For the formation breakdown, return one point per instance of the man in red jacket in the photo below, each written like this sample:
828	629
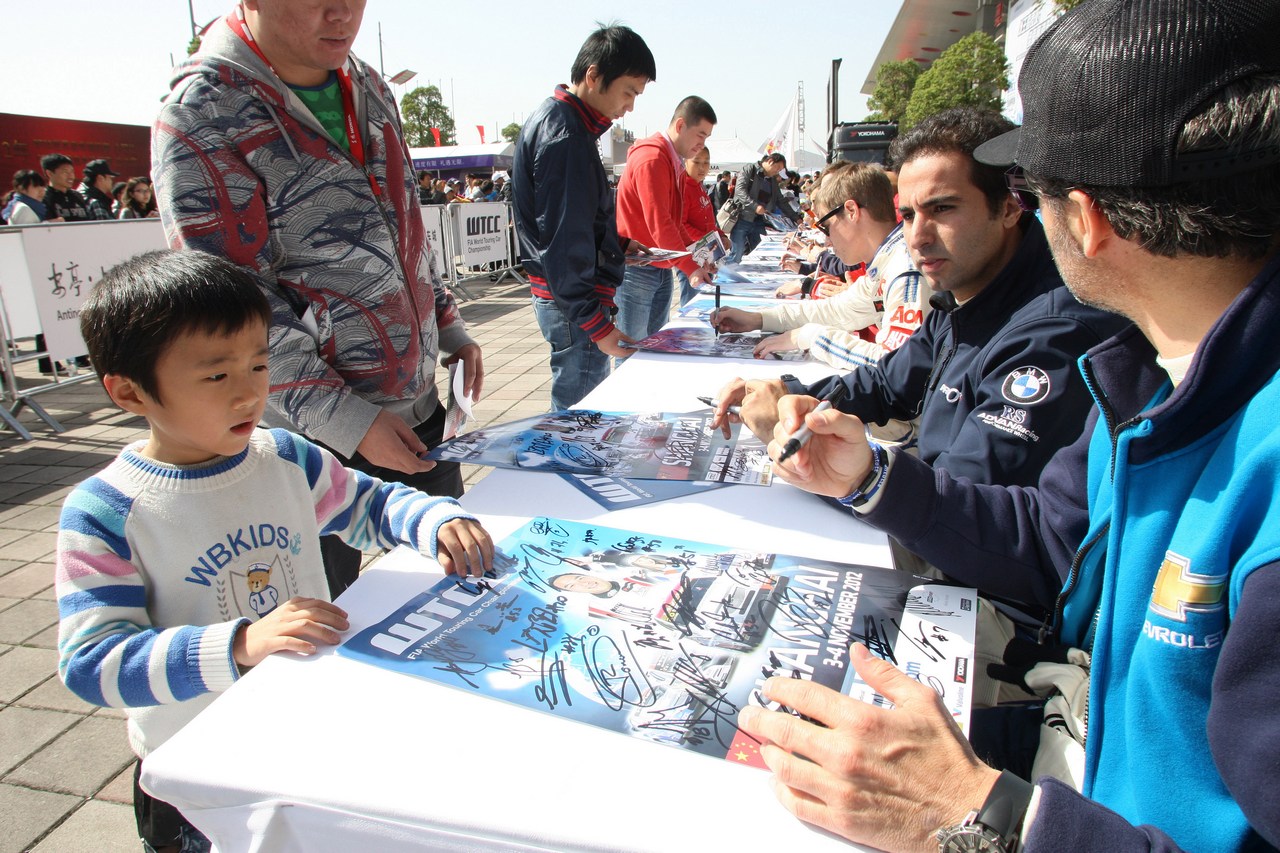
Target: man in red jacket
650	210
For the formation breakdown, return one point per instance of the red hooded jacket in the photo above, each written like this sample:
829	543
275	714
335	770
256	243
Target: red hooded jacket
650	205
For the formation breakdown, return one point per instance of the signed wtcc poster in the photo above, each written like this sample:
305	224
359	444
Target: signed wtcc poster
665	639
657	446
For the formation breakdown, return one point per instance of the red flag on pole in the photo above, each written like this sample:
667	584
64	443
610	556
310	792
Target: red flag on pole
480	127
435	131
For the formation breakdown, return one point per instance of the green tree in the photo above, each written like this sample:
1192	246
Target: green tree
970	73
422	109
511	131
1066	5
894	82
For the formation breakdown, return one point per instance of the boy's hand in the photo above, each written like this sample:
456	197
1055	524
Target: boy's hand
464	548
295	626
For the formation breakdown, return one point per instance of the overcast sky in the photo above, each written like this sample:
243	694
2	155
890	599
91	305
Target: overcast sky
109	60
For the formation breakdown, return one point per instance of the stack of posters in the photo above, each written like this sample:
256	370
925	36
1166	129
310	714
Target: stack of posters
708	250
650	446
665	639
701	306
697	341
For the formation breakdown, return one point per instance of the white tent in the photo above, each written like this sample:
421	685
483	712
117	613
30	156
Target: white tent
732	154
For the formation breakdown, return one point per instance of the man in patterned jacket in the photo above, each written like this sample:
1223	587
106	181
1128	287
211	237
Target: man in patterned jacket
284	153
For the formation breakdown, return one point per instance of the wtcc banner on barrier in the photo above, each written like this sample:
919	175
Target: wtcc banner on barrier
481	232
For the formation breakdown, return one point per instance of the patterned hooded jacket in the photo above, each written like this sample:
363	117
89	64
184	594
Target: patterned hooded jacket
245	171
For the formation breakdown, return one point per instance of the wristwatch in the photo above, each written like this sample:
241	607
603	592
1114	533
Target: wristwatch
993	828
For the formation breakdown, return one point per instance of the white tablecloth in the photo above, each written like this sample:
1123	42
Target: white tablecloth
328	754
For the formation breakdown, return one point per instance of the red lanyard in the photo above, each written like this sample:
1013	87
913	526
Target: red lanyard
355	141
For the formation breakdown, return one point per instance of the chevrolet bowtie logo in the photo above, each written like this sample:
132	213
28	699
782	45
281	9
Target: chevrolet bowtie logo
1178	589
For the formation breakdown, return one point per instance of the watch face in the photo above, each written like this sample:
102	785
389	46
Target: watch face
970	839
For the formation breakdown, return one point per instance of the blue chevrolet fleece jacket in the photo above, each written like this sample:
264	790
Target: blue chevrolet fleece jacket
1155	538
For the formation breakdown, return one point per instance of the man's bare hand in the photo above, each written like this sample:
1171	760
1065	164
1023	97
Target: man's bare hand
730	395
391	443
701	275
760	406
464	548
735	320
784	342
828	286
835	459
298	625
610	344
887	778
791	288
472	369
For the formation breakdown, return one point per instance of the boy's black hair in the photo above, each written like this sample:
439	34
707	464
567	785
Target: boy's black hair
142	305
616	51
49	162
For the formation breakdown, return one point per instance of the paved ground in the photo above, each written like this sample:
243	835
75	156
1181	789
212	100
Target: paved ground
65	766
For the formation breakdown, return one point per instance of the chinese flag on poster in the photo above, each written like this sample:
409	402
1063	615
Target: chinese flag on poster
745	750
435	131
480	127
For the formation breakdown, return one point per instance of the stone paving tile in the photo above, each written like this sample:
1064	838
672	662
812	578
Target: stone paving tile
28	580
26	619
119	789
22	668
7	566
8	535
111	827
43	474
14	492
25	730
27	815
48	638
46	570
81	760
53	695
33	546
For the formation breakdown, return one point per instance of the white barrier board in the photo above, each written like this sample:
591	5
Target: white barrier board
481	232
62	263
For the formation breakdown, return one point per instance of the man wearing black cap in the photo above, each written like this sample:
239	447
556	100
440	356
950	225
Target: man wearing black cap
97	188
1156	536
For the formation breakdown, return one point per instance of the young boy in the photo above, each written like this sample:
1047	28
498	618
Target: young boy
196	553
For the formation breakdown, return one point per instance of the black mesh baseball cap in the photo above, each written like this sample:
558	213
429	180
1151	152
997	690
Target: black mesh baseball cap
1107	89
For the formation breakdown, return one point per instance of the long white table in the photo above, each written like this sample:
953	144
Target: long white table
328	754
